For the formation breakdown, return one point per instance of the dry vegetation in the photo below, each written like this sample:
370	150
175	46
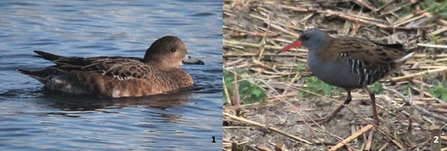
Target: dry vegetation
409	102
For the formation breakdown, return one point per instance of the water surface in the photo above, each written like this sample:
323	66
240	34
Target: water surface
33	118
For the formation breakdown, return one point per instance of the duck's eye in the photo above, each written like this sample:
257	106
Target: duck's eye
173	49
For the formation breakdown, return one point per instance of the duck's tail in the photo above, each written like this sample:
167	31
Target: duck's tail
33	74
46	55
25	72
42	75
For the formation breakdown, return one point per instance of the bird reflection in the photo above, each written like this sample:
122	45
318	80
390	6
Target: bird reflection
69	102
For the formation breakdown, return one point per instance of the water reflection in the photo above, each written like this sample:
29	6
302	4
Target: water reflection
33	118
69	102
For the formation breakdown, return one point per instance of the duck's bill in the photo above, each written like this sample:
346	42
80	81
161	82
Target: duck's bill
189	60
292	45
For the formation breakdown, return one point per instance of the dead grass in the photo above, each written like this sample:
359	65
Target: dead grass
255	30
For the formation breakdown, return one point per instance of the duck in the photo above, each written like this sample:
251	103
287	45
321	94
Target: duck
117	77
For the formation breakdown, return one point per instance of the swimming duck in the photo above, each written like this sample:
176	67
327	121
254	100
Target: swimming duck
115	77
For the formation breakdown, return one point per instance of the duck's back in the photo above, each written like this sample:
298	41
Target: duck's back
109	76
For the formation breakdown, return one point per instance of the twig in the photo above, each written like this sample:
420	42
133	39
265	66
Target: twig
396	79
352	137
420	109
432	45
244	44
270	128
370	140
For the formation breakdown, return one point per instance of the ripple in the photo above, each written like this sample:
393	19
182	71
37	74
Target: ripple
203	14
34	118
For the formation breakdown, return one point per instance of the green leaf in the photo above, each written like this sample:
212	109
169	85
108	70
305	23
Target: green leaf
248	92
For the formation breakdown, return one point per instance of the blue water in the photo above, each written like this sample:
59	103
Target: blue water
32	118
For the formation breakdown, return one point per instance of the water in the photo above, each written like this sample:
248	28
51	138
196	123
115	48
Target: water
32	118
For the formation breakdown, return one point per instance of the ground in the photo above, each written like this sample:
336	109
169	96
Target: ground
254	31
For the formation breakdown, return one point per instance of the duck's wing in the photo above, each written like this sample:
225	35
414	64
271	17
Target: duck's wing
117	67
85	63
65	62
126	70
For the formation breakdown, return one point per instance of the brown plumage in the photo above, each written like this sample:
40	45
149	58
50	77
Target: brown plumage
118	77
349	62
